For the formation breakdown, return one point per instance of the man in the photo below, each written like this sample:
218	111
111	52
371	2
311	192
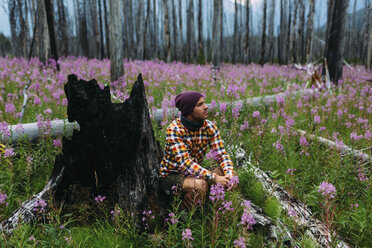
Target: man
187	141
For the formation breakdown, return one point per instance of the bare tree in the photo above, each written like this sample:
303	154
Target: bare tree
336	40
175	31
310	31
292	40
217	27
62	28
190	44
369	54
116	42
155	39
94	26
235	41
246	38
50	22
301	29
271	31
139	29
102	45
263	39
201	58
181	30
166	31
288	31
44	44
145	31
366	29
107	34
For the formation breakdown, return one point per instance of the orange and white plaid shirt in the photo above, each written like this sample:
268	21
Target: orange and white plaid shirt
185	150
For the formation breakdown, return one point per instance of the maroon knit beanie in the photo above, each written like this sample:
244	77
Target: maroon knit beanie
186	101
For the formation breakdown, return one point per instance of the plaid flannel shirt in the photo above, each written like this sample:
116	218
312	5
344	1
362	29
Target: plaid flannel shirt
185	150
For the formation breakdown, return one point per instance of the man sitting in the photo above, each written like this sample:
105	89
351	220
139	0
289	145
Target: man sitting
187	141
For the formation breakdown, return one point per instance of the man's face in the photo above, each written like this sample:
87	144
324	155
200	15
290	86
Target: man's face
200	111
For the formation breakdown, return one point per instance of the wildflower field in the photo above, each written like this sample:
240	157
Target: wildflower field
336	186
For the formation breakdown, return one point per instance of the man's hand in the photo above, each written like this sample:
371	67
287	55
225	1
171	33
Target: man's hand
223	180
232	183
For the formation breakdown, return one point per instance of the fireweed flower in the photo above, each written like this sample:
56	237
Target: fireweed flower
240	242
10	108
227	206
99	198
39	206
223	107
303	141
3	198
317	119
290	171
212	154
57	143
244	126
327	189
247	220
256	114
217	192
8	152
172	219
187	234
233	181
48	111
279	147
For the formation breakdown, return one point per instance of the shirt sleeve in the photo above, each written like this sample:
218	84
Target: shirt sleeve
223	158
183	158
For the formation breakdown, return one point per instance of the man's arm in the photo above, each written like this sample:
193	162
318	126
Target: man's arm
224	159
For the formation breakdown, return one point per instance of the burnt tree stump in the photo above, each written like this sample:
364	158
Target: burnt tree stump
113	154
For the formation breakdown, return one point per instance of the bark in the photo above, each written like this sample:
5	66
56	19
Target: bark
131	29
62	28
166	31
288	54
23	24
235	41
369	54
263	39
181	30
292	40
366	29
221	31
52	38
310	31
331	4
336	40
116	42
175	32
246	38
44	44
155	31
107	33
83	29
301	29
201	56
94	26
145	31
271	31
216	40
139	29
113	154
102	45
190	42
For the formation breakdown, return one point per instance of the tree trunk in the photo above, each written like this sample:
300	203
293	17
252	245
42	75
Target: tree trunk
292	40
336	42
52	38
116	42
201	57
145	31
310	31
166	31
221	31
235	40
95	26
114	154
83	29
175	31
62	28
44	44
190	42
107	33
301	30
246	38
139	29
216	41
366	29
288	29
369	55
271	31
263	39
155	31
102	45
331	4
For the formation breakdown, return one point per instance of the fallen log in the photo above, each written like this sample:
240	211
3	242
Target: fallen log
302	214
344	149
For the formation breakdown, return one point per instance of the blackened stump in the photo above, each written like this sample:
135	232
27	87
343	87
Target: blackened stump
114	154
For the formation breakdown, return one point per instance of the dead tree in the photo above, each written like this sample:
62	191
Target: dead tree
113	154
336	40
52	38
166	31
246	38
116	42
310	31
263	39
